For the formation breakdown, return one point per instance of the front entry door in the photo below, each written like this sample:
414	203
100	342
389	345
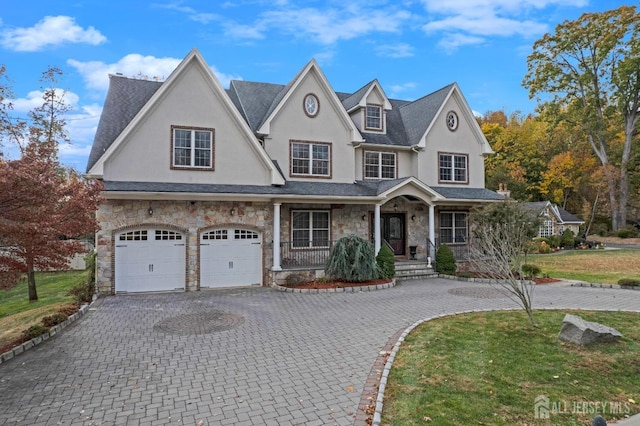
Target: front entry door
392	229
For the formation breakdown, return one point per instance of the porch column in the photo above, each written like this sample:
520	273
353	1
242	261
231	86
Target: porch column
432	231
276	237
376	229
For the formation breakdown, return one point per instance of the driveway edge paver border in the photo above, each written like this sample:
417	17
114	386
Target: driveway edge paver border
52	332
346	289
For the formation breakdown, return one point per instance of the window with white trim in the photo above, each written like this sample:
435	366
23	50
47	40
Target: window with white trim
379	165
192	147
373	119
310	228
310	159
453	168
546	228
453	227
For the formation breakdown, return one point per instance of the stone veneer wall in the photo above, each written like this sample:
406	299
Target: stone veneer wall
189	217
193	218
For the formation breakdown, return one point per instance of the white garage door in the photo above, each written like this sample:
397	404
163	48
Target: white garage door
150	260
230	257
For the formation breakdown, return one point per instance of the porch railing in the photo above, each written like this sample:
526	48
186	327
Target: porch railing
297	255
460	250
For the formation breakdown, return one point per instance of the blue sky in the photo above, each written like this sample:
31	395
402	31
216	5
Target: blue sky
412	47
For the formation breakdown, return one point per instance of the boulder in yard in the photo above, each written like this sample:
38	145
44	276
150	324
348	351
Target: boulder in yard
581	332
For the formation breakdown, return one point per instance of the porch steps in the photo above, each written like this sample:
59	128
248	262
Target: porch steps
414	269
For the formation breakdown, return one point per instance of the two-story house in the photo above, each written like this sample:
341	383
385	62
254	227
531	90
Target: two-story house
207	187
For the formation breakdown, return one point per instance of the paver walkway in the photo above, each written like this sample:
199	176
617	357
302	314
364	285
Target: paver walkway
257	356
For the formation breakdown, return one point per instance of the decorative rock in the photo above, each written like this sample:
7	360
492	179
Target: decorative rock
599	421
581	332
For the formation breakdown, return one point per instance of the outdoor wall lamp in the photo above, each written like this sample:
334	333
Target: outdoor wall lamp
413	217
233	211
364	217
395	207
150	211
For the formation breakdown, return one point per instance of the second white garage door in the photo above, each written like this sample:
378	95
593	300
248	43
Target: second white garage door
230	257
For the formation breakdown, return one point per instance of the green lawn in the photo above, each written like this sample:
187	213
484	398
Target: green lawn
17	314
488	368
594	266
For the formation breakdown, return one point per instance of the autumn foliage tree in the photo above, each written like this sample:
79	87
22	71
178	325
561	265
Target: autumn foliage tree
42	204
590	70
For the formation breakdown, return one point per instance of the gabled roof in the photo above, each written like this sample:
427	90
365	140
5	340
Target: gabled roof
359	98
281	98
419	115
567	217
140	108
125	98
254	100
563	216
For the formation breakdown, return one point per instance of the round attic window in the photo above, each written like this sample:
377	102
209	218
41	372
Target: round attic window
311	105
452	120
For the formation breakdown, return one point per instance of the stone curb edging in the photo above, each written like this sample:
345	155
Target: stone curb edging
347	289
598	285
377	416
52	332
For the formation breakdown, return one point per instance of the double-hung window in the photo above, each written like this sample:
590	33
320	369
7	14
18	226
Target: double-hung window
310	228
453	168
379	165
310	159
373	119
192	147
453	227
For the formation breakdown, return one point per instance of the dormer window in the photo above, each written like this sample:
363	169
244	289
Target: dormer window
373	119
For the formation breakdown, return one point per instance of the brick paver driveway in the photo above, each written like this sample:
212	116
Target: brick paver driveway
250	356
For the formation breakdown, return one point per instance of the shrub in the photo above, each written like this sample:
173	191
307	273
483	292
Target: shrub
445	261
386	262
84	292
33	332
530	270
352	259
543	246
554	241
567	238
630	282
53	320
623	233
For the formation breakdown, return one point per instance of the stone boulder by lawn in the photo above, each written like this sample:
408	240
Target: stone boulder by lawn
576	330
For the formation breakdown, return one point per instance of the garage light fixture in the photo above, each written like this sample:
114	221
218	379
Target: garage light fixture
150	211
233	211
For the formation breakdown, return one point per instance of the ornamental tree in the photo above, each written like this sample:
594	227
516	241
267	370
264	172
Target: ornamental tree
502	234
43	206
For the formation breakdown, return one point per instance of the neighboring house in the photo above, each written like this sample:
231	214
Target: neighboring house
554	219
207	187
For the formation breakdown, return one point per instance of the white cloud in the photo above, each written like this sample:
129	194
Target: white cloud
34	100
400	50
50	31
467	22
396	90
191	13
96	73
331	25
